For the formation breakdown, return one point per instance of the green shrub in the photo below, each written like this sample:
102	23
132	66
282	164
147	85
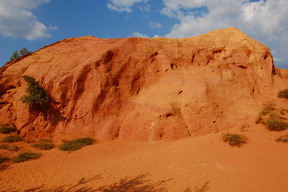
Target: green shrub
283	139
234	139
3	159
36	97
15	55
24	51
6	129
274	124
12	139
268	109
4	146
283	94
25	157
9	148
44	145
76	144
13	148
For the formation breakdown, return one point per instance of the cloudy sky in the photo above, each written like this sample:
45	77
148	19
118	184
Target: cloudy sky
35	23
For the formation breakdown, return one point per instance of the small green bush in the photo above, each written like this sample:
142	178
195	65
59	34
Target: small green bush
12	139
6	129
234	139
268	109
76	144
283	139
24	51
13	148
9	148
283	94
3	159
274	124
25	157
4	146
36	97
44	145
14	56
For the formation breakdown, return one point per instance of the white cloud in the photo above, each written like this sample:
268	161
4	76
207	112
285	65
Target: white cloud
137	34
126	5
17	20
264	20
155	25
144	8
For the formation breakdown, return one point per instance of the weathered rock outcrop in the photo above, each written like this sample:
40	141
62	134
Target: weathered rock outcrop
146	89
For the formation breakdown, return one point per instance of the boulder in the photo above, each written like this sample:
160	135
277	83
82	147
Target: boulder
143	88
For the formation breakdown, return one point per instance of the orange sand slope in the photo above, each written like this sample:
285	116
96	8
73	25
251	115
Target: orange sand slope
201	164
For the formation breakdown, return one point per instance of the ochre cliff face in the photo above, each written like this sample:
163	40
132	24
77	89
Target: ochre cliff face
143	89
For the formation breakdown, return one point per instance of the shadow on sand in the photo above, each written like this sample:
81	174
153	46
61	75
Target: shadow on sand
136	184
139	183
203	188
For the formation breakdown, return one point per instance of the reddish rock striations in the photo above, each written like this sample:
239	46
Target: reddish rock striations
143	89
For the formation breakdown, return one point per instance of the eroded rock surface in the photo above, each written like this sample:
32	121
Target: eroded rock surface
143	89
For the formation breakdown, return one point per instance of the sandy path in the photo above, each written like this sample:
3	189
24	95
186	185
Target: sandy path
192	165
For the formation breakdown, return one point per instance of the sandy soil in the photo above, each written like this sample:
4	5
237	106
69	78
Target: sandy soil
201	164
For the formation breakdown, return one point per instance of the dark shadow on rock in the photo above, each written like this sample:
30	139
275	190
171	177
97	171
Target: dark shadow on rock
54	116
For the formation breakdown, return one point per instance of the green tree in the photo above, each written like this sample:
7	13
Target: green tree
24	51
36	97
15	55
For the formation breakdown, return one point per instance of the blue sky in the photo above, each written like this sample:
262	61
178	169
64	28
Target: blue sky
35	23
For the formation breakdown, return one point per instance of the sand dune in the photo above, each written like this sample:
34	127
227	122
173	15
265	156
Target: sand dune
201	164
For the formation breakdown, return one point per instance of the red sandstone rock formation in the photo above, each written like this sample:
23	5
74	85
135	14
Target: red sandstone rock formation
145	89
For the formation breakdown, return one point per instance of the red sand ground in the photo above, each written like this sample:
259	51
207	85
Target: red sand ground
201	164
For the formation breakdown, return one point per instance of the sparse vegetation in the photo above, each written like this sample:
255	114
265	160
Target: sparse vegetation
12	139
13	148
15	55
77	144
10	148
244	128
268	109
6	129
283	94
3	159
273	118
4	146
234	139
24	51
25	157
283	139
274	124
36	97
44	145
